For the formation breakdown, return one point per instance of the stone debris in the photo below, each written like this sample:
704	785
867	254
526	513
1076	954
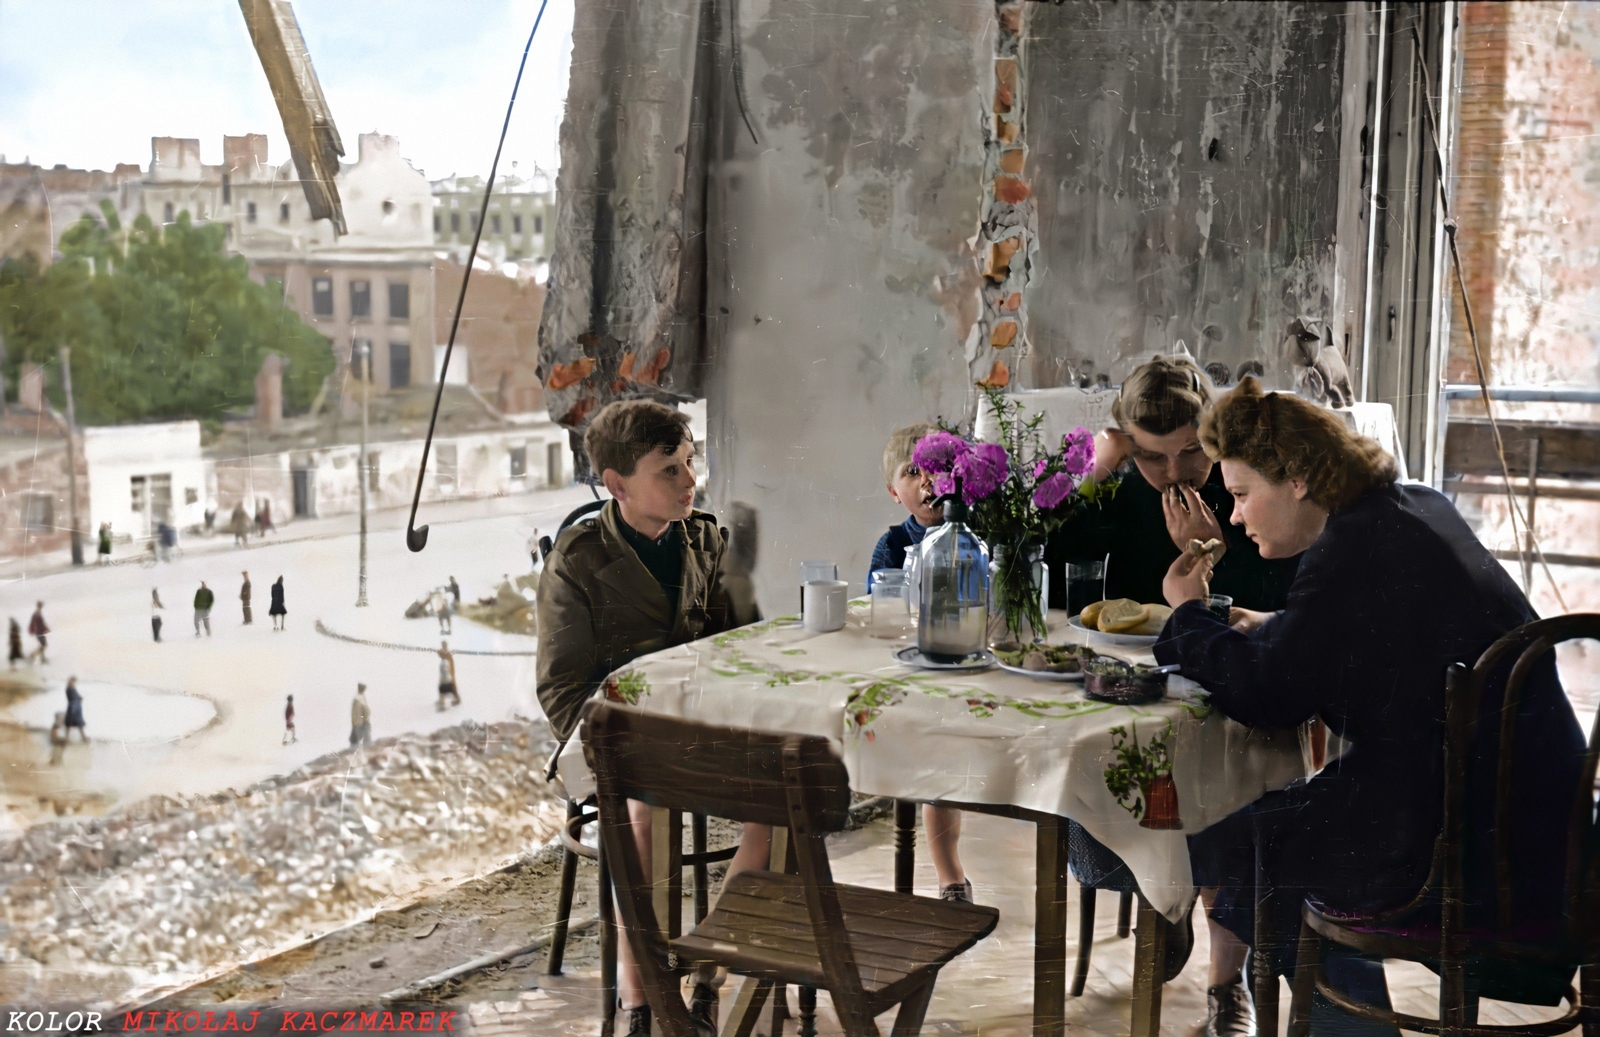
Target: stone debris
170	889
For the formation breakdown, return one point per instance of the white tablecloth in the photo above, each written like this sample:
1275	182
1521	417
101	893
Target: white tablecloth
993	738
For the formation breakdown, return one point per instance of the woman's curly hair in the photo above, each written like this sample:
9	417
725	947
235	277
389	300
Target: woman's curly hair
1285	437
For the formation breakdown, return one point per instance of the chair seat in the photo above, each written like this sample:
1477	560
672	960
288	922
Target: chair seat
761	926
1094	865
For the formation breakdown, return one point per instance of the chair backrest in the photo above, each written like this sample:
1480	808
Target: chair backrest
1523	648
719	771
784	780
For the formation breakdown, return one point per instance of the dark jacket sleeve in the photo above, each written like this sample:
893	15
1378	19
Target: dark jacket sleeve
568	652
1279	675
880	557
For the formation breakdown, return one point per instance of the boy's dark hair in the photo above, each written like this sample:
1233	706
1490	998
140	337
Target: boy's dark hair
627	430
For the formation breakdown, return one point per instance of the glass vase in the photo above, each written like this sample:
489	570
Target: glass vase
1020	590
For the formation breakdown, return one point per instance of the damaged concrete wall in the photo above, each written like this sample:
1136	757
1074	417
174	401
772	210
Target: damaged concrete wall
843	281
1184	163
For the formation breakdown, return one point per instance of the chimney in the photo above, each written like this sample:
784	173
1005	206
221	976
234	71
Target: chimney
30	389
269	393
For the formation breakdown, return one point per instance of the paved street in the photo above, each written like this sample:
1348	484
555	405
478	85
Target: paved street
101	633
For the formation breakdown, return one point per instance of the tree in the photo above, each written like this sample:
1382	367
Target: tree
162	322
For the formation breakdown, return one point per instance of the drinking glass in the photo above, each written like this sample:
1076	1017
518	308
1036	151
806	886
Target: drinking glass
891	604
815	572
1220	605
1086	584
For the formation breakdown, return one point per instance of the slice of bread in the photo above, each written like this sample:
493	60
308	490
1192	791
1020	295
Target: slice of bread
1159	614
1090	616
1121	615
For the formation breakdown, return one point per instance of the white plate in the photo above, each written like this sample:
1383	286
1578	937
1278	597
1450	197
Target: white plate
1131	640
1040	675
913	658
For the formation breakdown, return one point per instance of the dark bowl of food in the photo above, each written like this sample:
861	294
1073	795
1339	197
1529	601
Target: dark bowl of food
1126	684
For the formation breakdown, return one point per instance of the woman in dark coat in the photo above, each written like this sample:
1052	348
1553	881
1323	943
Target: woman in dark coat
277	611
14	649
75	708
1392	588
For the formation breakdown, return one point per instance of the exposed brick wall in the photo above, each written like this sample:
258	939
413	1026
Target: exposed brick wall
499	330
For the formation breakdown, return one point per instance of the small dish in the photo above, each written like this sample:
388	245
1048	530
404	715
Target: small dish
911	656
1131	640
1040	675
1111	680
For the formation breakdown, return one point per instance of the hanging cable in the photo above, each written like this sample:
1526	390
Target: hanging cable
417	537
1472	334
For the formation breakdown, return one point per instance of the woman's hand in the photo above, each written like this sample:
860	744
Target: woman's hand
1188	518
1188	579
1246	620
1112	448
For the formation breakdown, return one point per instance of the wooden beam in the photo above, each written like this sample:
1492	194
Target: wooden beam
1568	450
1497	488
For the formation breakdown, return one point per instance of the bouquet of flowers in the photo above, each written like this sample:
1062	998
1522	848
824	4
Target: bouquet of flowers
1018	492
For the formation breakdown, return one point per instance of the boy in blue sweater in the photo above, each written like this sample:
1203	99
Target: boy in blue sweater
912	489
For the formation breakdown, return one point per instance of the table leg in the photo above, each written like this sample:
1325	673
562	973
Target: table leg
905	845
1050	928
1264	979
1149	963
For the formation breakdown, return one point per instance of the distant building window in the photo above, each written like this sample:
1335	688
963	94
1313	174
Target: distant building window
39	511
191	495
360	349
455	223
399	365
446	478
360	299
249	212
436	223
283	212
136	493
227	190
372	472
516	224
388	208
494	224
538	224
519	462
166	213
399	301
322	296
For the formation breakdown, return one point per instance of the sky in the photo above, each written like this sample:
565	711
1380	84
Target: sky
89	82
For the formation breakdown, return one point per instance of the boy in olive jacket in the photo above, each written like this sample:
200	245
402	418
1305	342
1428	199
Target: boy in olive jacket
645	573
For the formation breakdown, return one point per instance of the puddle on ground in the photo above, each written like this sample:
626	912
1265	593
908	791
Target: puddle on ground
118	712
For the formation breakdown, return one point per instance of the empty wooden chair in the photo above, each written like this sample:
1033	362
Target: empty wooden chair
1434	927
870	949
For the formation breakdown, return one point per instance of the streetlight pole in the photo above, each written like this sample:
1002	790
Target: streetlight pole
72	457
361	469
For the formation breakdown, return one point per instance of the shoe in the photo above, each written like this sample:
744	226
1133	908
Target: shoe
957	892
1180	943
1230	1012
703	1010
638	1021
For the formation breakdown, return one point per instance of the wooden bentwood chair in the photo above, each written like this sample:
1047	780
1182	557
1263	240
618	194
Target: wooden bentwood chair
1433	928
870	949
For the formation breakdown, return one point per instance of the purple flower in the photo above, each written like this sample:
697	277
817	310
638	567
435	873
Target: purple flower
982	469
1079	446
1050	493
939	451
944	484
1040	466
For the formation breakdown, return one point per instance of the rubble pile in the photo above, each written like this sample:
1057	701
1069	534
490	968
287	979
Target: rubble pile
170	888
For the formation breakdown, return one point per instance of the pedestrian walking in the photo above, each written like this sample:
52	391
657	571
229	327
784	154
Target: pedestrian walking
41	633
447	676
103	556
58	739
276	610
288	723
168	536
445	609
203	600
155	614
239	525
264	518
360	718
75	709
211	516
455	591
244	599
16	643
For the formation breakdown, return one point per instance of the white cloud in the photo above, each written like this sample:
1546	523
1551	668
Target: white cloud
89	82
